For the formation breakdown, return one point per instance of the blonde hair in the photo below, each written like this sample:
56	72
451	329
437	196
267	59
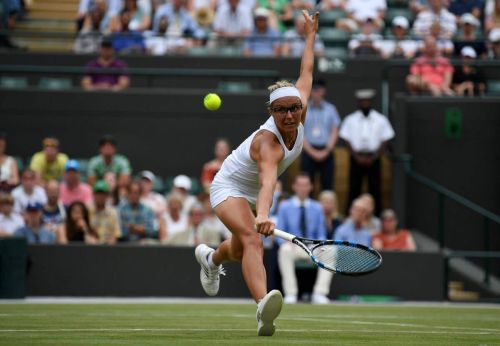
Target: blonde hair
280	84
328	194
366	197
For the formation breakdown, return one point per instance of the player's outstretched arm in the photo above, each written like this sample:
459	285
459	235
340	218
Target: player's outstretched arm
267	152
304	83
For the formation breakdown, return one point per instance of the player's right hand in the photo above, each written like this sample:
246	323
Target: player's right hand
312	22
264	225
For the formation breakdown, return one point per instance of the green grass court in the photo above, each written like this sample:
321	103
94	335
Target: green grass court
234	324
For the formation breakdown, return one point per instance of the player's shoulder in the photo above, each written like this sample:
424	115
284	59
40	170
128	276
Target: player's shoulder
265	141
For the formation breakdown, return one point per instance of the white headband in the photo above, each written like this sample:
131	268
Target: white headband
283	92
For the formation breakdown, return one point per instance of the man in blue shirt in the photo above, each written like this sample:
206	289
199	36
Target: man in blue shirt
303	217
320	136
264	40
180	21
353	230
137	220
33	231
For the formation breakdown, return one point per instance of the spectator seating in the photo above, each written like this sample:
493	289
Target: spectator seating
493	87
55	83
330	18
14	82
234	87
333	36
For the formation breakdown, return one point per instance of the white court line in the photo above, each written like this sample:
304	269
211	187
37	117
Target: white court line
304	318
203	330
392	324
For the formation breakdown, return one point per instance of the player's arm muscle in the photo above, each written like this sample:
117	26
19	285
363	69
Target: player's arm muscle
304	83
268	154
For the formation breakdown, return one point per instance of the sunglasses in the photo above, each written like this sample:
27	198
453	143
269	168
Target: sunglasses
284	110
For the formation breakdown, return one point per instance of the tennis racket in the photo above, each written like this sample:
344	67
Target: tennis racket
339	257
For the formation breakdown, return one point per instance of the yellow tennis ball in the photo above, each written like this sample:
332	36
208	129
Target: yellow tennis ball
212	102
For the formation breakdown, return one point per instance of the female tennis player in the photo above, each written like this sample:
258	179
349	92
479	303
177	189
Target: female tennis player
245	184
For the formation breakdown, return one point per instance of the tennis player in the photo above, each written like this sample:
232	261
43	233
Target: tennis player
245	184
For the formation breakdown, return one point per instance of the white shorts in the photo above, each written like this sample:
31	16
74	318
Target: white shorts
221	189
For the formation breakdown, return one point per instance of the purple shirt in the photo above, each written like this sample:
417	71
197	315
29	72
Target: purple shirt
111	79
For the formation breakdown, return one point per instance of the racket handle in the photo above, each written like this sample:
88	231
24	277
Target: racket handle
283	235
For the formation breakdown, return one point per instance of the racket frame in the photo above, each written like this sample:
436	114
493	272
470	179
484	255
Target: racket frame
304	242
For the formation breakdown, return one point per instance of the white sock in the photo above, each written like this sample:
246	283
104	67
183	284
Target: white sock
210	262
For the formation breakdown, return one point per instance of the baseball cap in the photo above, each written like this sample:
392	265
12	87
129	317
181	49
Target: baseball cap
182	181
101	186
494	35
3	135
364	94
468	52
34	206
468	18
147	175
72	165
401	21
261	12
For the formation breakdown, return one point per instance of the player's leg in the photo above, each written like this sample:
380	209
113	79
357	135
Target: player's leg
245	245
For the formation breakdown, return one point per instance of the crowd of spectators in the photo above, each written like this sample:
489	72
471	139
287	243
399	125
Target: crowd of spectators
466	31
55	201
274	28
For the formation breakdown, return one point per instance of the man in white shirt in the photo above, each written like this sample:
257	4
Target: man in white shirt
9	221
400	46
360	10
233	21
27	192
366	132
435	13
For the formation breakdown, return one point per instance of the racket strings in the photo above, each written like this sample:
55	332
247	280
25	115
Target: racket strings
344	258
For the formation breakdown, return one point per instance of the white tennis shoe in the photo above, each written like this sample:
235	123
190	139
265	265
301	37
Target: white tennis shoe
209	275
267	311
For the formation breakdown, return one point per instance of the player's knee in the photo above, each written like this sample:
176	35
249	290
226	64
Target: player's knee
253	242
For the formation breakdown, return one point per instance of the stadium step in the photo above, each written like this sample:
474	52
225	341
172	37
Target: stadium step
53	9
45	45
29	25
61	6
66	15
50	17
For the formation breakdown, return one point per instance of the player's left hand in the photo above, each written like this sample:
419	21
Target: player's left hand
264	225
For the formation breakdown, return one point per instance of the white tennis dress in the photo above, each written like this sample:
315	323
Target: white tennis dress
239	174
